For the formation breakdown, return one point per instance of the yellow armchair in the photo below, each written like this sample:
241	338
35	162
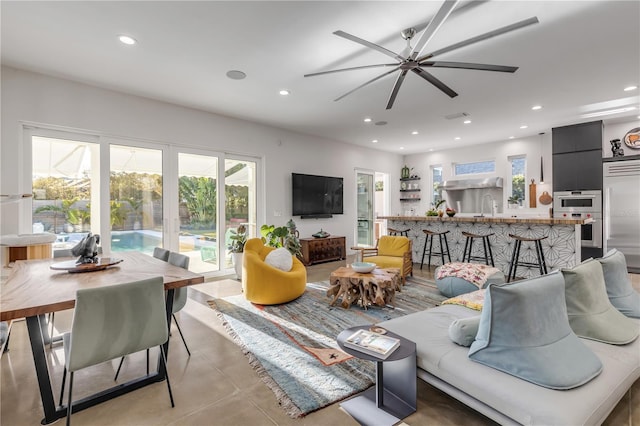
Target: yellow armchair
390	252
265	285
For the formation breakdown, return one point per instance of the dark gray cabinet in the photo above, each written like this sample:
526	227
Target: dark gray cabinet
577	157
577	137
577	171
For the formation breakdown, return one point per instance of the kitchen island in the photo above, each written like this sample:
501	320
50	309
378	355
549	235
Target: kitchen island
561	248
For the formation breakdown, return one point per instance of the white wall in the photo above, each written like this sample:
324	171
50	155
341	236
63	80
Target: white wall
46	100
533	147
617	131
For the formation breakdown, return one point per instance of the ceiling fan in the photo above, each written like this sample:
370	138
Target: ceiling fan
413	59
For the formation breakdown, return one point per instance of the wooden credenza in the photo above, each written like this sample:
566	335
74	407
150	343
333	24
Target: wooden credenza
316	250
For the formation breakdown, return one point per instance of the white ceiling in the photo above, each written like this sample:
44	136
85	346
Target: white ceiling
576	60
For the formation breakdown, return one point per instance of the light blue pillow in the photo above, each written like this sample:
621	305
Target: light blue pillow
524	331
463	330
621	294
591	314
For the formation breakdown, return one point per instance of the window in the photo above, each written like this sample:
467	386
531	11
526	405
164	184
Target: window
474	168
65	181
436	180
518	173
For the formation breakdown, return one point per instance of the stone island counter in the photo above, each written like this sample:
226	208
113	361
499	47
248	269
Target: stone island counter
561	248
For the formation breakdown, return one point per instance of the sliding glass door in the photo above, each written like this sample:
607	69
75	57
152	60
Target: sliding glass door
198	211
365	208
138	196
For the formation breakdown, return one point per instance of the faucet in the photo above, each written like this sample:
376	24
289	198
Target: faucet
482	205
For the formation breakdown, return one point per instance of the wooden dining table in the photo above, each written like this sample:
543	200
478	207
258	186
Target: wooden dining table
34	290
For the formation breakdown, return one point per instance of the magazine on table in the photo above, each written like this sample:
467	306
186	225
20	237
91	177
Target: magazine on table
372	343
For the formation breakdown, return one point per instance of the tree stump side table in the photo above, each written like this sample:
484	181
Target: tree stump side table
375	288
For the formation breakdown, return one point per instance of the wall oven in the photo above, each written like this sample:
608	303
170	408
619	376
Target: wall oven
581	205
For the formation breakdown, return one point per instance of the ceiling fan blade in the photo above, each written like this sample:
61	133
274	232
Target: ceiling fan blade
468	66
431	79
485	36
396	88
433	26
367	83
368	44
350	69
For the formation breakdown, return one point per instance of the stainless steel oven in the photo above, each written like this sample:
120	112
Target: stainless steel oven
581	205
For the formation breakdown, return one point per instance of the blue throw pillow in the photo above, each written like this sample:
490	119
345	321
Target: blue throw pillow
524	331
619	290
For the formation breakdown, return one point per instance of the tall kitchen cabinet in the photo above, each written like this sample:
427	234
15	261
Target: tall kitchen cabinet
577	157
577	166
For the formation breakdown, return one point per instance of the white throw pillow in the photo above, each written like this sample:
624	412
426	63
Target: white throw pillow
280	258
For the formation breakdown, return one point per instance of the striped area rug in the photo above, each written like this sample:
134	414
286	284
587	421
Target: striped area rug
293	346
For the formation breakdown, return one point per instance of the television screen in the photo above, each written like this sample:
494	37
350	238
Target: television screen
316	196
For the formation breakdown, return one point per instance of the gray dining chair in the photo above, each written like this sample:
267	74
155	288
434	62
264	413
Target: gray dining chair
113	321
160	253
179	295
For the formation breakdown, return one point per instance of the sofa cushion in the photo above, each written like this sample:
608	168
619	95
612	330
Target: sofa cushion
591	314
524	331
463	330
616	278
280	258
452	286
384	262
393	246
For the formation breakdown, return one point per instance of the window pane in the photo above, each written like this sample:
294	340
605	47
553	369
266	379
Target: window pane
198	204
474	168
63	184
135	187
240	196
517	178
436	177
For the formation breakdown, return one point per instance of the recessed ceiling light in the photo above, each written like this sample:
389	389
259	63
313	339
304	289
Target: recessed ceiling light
402	147
374	141
284	92
467	121
536	107
430	149
415	132
127	40
511	137
367	120
630	88
524	126
457	138
236	75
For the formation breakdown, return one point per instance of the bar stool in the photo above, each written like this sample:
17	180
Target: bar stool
468	246
394	232
515	262
442	252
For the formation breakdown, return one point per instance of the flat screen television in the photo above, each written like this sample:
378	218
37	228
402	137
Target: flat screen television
316	196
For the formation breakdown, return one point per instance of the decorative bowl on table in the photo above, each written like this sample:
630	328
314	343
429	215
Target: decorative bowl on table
363	267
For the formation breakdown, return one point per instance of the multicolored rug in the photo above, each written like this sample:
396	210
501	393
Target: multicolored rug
293	346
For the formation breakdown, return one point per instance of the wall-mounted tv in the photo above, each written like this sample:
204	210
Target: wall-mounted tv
316	196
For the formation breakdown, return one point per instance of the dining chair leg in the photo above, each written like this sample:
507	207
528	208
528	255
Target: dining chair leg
52	318
181	335
69	399
64	379
164	361
119	367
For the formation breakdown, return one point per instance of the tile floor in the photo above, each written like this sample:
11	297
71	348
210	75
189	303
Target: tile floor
213	386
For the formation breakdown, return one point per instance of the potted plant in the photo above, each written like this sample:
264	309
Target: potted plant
236	247
282	236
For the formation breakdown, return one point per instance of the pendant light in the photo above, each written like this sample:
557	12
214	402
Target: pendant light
541	159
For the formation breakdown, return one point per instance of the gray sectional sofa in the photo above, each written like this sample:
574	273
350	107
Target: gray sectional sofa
503	397
552	350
